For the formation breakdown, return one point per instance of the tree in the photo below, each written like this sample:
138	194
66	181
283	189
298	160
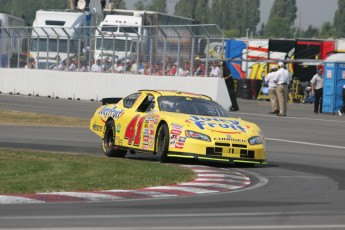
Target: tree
139	5
236	15
327	31
157	5
216	15
281	20
28	8
278	27
339	19
285	9
310	32
186	8
202	11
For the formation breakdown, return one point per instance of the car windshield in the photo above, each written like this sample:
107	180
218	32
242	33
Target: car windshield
191	105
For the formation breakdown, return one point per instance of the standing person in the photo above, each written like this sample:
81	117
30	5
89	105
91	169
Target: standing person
272	86
229	81
316	89
178	71
341	111
215	70
282	79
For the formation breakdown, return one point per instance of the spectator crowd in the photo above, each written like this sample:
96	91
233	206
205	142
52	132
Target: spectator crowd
128	66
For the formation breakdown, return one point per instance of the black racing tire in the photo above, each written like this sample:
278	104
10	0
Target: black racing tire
162	143
109	148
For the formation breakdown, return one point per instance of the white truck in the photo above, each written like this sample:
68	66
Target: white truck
58	35
121	34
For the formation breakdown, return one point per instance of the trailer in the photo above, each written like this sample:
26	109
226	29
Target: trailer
134	34
60	35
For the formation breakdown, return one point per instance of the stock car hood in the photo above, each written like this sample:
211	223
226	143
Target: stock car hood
213	126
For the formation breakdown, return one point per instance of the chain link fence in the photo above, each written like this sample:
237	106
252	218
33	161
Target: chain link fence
188	50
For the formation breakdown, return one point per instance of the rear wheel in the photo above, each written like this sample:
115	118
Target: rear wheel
162	143
109	147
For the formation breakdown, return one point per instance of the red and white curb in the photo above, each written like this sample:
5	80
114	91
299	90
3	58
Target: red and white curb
209	180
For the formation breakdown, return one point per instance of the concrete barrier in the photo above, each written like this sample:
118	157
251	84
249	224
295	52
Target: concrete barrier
95	86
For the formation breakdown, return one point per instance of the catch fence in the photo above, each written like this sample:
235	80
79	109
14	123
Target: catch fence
152	50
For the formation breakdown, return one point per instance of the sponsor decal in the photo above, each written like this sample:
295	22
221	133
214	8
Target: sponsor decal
179	145
118	128
174	137
175	132
145	140
97	128
238	140
211	123
176	126
111	112
182	139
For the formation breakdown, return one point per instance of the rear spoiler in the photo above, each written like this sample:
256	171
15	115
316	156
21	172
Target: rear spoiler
111	100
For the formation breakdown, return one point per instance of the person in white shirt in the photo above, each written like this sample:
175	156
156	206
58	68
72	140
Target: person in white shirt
96	67
282	79
272	93
118	67
316	89
179	71
215	70
73	66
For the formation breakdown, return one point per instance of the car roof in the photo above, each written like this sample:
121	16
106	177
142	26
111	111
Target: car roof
175	93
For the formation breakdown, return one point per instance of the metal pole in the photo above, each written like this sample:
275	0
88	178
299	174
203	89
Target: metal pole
247	35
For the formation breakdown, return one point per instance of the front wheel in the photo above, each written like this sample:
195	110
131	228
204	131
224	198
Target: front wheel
162	143
109	147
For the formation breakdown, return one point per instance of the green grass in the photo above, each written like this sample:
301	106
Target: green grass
31	172
9	117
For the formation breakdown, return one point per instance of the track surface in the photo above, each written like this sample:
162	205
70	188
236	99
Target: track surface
301	188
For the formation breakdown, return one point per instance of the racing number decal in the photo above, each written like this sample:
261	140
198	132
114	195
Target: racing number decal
133	133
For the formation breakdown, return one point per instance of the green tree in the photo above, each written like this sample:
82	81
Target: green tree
121	4
278	27
186	8
310	32
139	5
285	9
281	20
27	9
339	19
235	16
216	15
202	11
157	5
327	31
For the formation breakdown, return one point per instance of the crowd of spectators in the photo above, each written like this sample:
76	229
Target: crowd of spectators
128	66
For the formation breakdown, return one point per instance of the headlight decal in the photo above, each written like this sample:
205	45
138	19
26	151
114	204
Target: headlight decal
198	136
256	140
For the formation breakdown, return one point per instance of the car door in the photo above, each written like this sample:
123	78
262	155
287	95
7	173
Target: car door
137	126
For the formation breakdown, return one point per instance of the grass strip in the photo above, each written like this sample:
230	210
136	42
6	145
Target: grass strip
32	172
9	117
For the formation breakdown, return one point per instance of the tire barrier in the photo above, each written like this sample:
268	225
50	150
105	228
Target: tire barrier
248	88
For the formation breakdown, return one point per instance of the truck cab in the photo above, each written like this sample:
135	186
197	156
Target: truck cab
117	37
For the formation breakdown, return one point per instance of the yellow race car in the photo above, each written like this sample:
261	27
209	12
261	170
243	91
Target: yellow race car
176	124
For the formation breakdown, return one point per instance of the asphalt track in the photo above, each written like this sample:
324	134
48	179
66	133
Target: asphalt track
302	187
